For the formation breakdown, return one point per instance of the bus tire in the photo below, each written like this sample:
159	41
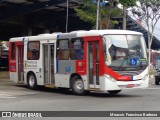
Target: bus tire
114	92
77	86
32	81
156	82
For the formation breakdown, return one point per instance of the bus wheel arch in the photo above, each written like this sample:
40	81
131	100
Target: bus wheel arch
31	80
77	84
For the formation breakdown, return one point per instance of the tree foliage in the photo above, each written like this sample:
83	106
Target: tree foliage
128	3
88	10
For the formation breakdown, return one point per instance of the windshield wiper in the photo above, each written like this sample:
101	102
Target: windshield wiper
120	67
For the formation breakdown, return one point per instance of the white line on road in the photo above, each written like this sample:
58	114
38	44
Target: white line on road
152	88
7	97
13	94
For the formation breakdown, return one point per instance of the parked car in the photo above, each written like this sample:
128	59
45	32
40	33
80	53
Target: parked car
157	77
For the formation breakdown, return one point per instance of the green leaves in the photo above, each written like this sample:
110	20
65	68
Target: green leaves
88	11
128	3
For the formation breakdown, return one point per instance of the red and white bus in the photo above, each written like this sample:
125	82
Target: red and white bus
155	59
4	48
95	60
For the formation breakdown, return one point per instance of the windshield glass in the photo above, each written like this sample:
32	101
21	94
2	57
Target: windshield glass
125	52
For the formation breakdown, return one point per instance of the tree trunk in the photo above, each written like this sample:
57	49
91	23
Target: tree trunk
149	50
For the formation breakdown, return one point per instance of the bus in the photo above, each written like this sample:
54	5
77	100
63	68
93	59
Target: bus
155	59
155	62
81	61
4	48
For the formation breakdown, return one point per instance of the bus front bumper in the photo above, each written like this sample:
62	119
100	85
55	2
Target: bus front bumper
108	84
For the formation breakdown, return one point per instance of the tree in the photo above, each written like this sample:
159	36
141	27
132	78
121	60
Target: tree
126	4
148	11
87	12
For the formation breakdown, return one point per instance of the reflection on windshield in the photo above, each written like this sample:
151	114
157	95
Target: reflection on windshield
125	52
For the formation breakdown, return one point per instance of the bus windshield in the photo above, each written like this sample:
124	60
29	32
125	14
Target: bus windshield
125	52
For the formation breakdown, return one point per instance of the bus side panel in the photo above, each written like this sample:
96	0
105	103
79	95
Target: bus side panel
62	80
65	69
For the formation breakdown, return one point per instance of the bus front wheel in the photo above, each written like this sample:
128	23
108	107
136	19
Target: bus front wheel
32	81
77	86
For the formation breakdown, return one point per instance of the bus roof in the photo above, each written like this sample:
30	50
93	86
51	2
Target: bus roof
32	38
83	33
73	34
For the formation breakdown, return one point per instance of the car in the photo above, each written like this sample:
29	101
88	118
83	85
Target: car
157	77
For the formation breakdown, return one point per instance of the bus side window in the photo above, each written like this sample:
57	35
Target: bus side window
33	50
13	51
63	49
77	51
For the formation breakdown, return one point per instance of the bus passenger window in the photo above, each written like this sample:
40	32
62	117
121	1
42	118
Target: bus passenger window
33	50
77	49
63	49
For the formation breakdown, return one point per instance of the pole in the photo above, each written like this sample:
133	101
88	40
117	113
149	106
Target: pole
124	17
67	18
97	20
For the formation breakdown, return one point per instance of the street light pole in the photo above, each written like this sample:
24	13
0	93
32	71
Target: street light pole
97	20
67	18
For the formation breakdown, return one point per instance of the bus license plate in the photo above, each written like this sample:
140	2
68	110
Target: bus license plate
130	85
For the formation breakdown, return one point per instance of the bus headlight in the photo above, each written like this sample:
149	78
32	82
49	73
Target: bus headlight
110	78
145	77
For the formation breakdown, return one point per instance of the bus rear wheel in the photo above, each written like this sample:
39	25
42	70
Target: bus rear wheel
77	86
32	81
114	92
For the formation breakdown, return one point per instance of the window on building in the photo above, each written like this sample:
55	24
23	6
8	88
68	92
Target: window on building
33	52
77	51
63	49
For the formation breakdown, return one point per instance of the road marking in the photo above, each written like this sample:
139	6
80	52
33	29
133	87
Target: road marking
14	94
7	97
152	88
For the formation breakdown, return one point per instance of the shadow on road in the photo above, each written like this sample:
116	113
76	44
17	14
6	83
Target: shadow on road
89	94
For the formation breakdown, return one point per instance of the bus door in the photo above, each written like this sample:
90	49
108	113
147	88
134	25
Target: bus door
93	64
20	63
48	50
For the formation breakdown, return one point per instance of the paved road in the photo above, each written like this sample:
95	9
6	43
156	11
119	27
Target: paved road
20	98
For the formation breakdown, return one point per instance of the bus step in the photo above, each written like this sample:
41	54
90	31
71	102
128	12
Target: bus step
20	82
94	89
49	85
